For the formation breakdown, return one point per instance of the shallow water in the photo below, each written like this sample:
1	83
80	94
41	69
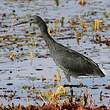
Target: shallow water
20	71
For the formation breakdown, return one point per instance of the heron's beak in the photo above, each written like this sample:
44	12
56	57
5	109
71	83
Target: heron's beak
30	21
24	22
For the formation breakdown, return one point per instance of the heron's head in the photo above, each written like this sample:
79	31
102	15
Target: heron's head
40	22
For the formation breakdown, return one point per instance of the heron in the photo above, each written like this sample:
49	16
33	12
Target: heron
70	61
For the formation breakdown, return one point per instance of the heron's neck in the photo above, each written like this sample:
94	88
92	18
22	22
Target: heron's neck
49	40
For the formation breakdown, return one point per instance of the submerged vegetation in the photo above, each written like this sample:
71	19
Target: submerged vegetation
20	86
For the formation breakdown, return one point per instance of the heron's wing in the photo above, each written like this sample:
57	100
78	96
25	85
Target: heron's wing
79	64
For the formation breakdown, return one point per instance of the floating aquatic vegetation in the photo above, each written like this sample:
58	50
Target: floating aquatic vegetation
62	21
49	106
24	87
83	25
56	24
12	56
82	2
31	56
97	24
60	91
78	37
72	23
57	77
54	96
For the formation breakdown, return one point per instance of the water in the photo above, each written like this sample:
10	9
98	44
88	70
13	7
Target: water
20	71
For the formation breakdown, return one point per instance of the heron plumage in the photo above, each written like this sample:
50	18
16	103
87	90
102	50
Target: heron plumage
73	63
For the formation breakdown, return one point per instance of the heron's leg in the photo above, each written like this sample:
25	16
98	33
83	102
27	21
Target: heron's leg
80	83
93	81
68	78
70	86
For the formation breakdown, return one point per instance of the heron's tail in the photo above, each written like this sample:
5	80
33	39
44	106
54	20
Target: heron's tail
100	72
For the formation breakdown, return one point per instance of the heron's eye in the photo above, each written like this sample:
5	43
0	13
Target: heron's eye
34	26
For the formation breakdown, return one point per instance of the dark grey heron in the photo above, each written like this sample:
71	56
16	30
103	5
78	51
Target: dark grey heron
70	61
